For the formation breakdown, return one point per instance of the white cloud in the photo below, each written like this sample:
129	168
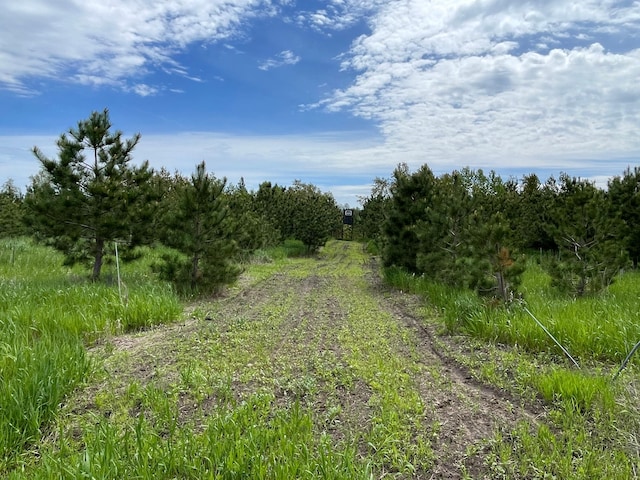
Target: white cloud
97	42
328	160
286	57
455	84
143	89
338	14
543	86
344	163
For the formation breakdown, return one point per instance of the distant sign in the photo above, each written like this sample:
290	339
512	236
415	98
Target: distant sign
347	216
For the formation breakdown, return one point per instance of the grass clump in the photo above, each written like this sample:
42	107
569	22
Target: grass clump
584	391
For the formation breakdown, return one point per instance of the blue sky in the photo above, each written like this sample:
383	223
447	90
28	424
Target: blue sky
333	93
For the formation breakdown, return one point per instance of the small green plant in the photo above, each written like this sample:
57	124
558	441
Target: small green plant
294	248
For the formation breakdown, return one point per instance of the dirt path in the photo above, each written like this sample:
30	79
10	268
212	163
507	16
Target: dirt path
292	334
470	412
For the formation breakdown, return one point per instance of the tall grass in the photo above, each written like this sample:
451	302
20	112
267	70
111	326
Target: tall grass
600	328
48	313
596	424
253	440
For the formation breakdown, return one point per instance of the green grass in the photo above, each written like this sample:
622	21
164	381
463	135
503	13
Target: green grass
260	390
602	328
48	315
265	386
399	437
254	439
595	423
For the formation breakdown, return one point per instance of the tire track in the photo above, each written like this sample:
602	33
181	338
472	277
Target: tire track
468	411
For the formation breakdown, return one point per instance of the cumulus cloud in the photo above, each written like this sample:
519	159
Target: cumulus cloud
95	42
286	57
549	86
338	14
469	82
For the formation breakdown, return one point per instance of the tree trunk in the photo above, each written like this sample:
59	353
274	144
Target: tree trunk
97	264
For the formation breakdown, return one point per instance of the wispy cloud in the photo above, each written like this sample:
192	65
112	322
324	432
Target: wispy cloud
457	83
328	159
338	14
344	163
286	57
96	42
143	89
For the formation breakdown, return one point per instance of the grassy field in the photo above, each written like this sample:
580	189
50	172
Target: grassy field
307	368
48	316
594	418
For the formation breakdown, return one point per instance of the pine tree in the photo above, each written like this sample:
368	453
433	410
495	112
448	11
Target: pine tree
532	215
11	211
271	205
375	210
443	230
314	215
591	250
624	193
90	195
252	230
196	223
465	238
411	195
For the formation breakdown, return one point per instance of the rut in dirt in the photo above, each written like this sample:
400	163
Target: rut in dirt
316	332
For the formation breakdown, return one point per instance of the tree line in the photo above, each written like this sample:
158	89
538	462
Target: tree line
469	229
464	228
92	195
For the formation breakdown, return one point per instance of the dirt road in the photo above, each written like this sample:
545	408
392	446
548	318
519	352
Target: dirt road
325	333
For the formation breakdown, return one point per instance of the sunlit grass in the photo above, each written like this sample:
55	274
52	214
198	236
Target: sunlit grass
235	396
601	328
48	315
595	434
255	439
253	377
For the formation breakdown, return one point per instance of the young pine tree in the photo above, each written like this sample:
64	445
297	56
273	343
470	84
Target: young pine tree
196	223
624	194
90	195
411	194
11	211
314	216
591	249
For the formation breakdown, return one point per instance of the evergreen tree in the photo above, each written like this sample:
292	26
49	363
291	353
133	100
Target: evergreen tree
624	193
488	260
411	195
252	230
465	239
197	224
443	230
375	209
532	214
314	216
91	194
270	204
591	250
11	211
